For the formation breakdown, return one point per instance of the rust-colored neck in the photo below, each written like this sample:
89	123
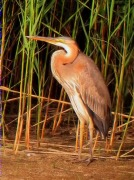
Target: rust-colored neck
61	58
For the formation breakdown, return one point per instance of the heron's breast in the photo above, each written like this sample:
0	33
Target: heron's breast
79	107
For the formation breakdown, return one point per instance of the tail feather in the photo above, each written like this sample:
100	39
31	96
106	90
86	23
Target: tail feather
102	125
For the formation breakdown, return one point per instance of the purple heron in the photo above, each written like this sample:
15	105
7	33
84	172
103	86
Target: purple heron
83	83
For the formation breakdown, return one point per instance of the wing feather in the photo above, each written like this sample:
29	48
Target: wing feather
94	93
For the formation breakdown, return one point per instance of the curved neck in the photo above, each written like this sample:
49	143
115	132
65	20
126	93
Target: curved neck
70	53
61	58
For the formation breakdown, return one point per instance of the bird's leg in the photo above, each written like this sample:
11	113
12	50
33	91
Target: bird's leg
77	136
95	142
107	148
89	159
79	141
91	128
91	142
81	138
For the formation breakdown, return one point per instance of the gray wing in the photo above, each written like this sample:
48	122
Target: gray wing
94	93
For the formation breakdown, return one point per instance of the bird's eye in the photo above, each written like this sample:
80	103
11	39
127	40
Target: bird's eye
61	40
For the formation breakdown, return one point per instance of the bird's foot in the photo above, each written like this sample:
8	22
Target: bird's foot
85	160
88	160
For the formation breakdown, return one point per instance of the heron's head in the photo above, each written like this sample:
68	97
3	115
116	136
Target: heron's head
64	42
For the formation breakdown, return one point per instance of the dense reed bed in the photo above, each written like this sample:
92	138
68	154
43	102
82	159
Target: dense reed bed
31	97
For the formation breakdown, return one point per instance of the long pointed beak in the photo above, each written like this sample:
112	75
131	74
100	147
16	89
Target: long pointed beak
45	39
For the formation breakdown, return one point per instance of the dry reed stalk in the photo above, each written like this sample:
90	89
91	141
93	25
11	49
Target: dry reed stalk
47	110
